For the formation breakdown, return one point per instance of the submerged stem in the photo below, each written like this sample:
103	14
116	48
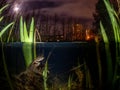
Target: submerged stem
6	70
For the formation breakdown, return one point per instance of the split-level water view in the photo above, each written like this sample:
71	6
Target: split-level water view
59	45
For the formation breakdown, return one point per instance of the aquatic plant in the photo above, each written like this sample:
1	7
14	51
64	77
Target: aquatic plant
1	18
28	40
115	22
39	35
98	61
108	55
26	36
70	83
6	69
87	76
45	75
3	56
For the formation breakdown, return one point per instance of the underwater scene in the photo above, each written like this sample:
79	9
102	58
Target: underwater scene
74	65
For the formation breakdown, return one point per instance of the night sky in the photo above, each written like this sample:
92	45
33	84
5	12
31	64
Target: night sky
76	8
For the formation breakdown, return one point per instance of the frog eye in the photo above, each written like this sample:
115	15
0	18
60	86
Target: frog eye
36	64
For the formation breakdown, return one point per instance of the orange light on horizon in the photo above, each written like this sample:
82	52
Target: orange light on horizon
89	35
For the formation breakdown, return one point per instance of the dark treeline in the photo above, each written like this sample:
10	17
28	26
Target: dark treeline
47	27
